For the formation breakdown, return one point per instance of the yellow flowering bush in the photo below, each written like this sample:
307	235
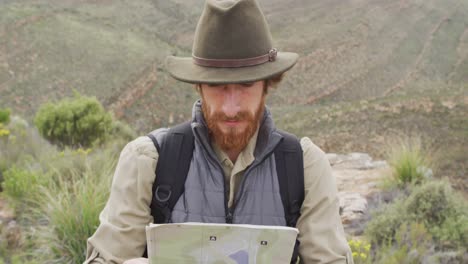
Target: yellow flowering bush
4	132
360	250
84	152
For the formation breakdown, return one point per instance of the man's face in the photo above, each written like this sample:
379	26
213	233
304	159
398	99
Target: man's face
232	112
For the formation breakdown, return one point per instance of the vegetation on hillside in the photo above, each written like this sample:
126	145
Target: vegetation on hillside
366	69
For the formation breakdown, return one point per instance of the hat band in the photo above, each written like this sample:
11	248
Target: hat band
236	63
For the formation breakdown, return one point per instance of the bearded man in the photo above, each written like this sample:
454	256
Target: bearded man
231	177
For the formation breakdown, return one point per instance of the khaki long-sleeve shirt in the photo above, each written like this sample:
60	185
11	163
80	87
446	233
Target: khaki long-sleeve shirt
121	234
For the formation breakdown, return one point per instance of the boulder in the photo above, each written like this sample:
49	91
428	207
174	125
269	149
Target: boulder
357	177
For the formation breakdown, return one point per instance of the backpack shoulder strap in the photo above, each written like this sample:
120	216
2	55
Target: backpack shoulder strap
175	154
290	169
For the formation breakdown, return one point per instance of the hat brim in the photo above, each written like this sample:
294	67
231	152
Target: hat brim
183	69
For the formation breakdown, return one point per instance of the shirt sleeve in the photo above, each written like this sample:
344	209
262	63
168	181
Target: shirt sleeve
121	233
321	234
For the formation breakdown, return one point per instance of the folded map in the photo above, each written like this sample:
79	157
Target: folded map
219	243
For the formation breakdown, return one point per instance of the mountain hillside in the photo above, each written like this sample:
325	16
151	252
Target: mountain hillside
368	69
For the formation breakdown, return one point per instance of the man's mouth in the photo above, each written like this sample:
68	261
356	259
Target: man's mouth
232	122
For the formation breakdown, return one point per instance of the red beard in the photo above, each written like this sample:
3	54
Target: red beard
233	140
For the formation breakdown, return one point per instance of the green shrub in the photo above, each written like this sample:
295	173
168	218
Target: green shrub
431	203
79	122
411	244
21	185
409	161
435	206
443	212
385	222
453	233
5	116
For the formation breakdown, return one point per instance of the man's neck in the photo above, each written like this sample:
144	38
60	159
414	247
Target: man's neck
233	155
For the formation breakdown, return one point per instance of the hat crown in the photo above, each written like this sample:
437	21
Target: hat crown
231	29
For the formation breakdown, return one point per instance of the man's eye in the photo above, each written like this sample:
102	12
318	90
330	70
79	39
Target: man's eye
249	84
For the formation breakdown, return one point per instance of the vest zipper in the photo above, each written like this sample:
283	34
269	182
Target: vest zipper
227	212
244	179
229	217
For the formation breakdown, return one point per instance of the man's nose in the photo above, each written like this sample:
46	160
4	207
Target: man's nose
232	100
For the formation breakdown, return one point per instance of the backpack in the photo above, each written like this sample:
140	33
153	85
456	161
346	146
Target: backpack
175	155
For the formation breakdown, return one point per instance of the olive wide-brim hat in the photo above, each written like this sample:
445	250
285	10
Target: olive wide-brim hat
232	44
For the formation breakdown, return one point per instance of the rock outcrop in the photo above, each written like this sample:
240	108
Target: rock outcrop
357	176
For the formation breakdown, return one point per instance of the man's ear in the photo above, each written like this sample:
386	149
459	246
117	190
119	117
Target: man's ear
266	86
198	88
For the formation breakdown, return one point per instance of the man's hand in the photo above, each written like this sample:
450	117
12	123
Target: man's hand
137	261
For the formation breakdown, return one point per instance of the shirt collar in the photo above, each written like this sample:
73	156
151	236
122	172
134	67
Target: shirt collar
246	157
